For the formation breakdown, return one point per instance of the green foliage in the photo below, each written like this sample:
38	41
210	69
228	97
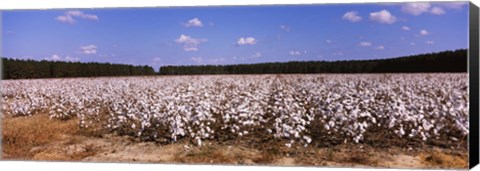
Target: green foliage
25	69
446	61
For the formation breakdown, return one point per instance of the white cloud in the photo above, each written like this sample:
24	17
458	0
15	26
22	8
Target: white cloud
412	43
189	43
246	41
329	41
453	5
72	59
381	47
66	19
80	14
430	42
406	28
89	49
352	16
196	59
364	44
383	17
70	16
56	57
195	22
294	53
285	28
416	8
74	13
437	11
424	32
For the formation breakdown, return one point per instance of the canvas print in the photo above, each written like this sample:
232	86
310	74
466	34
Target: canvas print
327	85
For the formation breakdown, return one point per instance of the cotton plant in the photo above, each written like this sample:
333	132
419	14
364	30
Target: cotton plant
296	109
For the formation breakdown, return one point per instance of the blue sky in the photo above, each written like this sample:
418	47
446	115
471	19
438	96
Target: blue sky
231	35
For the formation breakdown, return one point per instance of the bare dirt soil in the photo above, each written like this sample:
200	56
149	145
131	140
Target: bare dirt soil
39	138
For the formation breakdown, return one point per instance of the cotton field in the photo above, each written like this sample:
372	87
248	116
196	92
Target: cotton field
297	110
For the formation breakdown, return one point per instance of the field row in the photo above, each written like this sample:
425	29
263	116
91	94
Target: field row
292	109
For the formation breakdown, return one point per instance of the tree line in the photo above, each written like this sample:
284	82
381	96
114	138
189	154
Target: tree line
25	69
446	61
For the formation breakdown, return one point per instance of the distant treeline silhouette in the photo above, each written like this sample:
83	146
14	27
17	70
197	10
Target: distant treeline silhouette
25	69
446	61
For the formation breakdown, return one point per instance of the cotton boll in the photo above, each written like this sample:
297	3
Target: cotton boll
186	105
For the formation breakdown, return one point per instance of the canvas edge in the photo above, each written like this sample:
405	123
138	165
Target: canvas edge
473	71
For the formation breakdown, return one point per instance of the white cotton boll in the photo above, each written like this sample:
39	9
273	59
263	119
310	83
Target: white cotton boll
140	100
291	131
391	123
301	128
364	124
199	142
435	131
331	123
308	139
402	132
424	138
